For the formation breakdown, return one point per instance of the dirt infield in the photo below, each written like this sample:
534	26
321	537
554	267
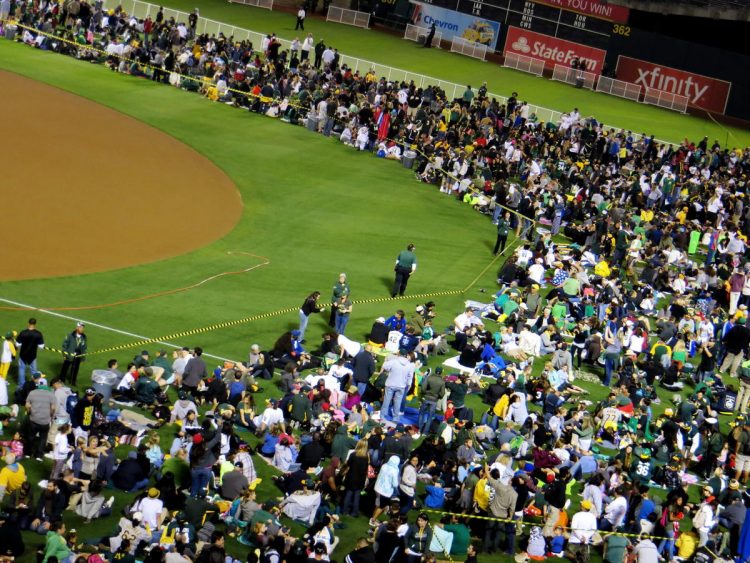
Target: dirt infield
88	189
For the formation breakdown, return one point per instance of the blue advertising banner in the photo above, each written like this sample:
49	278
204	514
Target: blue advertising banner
455	24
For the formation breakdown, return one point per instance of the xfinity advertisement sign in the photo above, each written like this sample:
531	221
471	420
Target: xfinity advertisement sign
702	91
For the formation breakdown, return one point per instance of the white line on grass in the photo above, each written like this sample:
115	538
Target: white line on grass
103	327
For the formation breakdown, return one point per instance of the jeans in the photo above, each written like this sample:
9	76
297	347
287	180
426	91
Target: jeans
492	536
341	322
526	229
374	457
351	502
668	544
201	477
328	127
496	213
303	320
491	422
406	502
426	415
393	396
361	388
139	486
610	365
22	370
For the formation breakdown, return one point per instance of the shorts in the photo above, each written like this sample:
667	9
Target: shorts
742	463
382	501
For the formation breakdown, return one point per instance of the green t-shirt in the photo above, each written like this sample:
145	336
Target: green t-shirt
406	259
461	538
616	546
695	238
571	286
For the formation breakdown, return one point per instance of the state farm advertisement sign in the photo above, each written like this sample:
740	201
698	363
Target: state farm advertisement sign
704	92
552	50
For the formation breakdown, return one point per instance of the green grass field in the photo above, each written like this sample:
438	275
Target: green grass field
391	50
313	208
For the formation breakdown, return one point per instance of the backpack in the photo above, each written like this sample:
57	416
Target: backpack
515	444
70	405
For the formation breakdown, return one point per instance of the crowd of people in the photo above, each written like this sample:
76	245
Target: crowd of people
514	446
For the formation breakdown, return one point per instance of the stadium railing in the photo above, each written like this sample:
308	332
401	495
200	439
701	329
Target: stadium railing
348	17
619	88
419	34
469	48
267	4
141	9
574	76
524	63
666	100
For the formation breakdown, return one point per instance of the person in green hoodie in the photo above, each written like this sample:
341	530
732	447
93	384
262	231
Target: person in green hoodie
56	546
342	443
503	228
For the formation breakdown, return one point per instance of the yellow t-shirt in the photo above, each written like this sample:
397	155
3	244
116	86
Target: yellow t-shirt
602	269
501	407
480	494
12	480
686	544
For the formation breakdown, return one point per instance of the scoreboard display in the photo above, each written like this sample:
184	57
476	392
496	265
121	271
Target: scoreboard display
540	18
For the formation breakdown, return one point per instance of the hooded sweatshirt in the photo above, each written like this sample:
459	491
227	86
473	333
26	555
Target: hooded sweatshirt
399	372
342	443
388	478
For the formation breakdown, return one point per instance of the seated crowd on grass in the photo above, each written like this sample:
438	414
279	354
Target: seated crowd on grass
513	446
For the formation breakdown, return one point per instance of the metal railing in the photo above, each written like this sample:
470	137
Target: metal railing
574	76
469	48
619	88
666	100
348	17
452	90
267	4
524	63
419	34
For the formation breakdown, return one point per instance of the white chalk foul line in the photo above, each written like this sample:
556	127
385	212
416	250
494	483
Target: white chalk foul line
101	326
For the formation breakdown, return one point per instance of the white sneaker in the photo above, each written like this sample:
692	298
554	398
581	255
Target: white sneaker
110	502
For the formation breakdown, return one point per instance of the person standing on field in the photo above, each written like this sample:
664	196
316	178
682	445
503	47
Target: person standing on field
29	341
300	19
74	349
406	265
309	307
503	228
340	289
430	37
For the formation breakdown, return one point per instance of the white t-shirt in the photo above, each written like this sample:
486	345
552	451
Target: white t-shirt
178	366
126	382
62	447
616	511
582	527
272	416
151	509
